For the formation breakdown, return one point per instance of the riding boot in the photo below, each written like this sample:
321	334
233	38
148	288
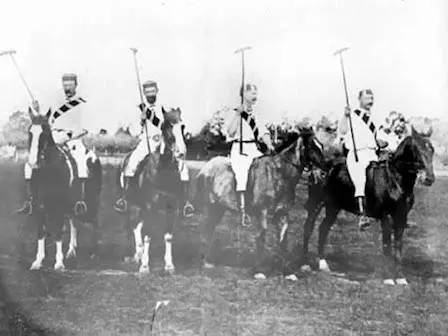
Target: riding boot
27	207
188	207
364	222
243	218
121	204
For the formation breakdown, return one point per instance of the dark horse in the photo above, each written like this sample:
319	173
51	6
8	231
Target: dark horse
156	184
270	189
57	189
389	197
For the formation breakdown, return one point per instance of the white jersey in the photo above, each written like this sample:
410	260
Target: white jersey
365	137
135	127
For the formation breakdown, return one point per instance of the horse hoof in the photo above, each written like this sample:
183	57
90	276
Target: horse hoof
401	281
70	254
323	266
305	268
292	277
259	276
36	266
389	282
208	266
144	269
59	267
169	270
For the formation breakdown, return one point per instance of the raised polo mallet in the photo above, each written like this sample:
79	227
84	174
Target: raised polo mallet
11	53
242	50
339	52
134	52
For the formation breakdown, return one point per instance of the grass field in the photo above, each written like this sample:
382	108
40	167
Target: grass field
90	300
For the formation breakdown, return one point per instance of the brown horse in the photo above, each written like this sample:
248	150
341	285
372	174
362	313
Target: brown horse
389	196
270	190
57	189
156	184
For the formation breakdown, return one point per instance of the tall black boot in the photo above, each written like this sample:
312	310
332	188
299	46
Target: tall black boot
188	207
27	207
121	205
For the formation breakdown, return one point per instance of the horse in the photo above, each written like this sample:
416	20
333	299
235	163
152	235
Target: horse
389	198
156	184
59	192
270	189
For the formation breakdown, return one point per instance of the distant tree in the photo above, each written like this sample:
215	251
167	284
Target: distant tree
15	131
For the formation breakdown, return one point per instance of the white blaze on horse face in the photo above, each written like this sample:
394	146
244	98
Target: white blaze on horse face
79	152
181	147
168	252
36	131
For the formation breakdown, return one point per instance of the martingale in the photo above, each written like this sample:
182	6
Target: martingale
67	106
150	115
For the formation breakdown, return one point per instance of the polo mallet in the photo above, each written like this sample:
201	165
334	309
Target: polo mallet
339	52
134	52
11	53
242	50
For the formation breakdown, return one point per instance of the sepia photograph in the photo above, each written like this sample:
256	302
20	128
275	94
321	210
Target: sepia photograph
224	167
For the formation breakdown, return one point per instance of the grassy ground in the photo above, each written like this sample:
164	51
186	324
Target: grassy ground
89	300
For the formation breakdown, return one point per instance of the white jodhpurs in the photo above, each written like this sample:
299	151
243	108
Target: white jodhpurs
241	163
141	151
28	171
81	154
357	170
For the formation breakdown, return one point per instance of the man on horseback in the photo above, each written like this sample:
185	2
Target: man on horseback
151	116
66	124
365	140
254	135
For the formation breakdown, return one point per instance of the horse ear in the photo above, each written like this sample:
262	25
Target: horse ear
163	110
48	114
30	112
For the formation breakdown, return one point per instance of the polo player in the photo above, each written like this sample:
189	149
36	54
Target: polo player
367	138
254	135
152	116
67	120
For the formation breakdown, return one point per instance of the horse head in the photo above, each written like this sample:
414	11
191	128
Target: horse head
40	139
415	154
172	133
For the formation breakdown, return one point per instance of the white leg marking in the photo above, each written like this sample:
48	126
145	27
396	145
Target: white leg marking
389	282
292	277
40	255
168	253
283	229
144	267
305	268
73	240
138	242
323	266
401	281
59	264
259	276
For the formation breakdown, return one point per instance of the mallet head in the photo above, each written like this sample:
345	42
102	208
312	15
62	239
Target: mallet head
7	52
241	50
340	51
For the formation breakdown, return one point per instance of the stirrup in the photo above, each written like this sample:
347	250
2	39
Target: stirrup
245	218
80	208
188	210
364	223
121	205
27	208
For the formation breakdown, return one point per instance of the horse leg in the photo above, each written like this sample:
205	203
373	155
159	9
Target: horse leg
324	229
144	237
56	223
314	210
260	245
215	214
386	228
40	255
168	236
73	244
399	227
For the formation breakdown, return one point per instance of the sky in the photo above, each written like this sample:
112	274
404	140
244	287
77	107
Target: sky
398	48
